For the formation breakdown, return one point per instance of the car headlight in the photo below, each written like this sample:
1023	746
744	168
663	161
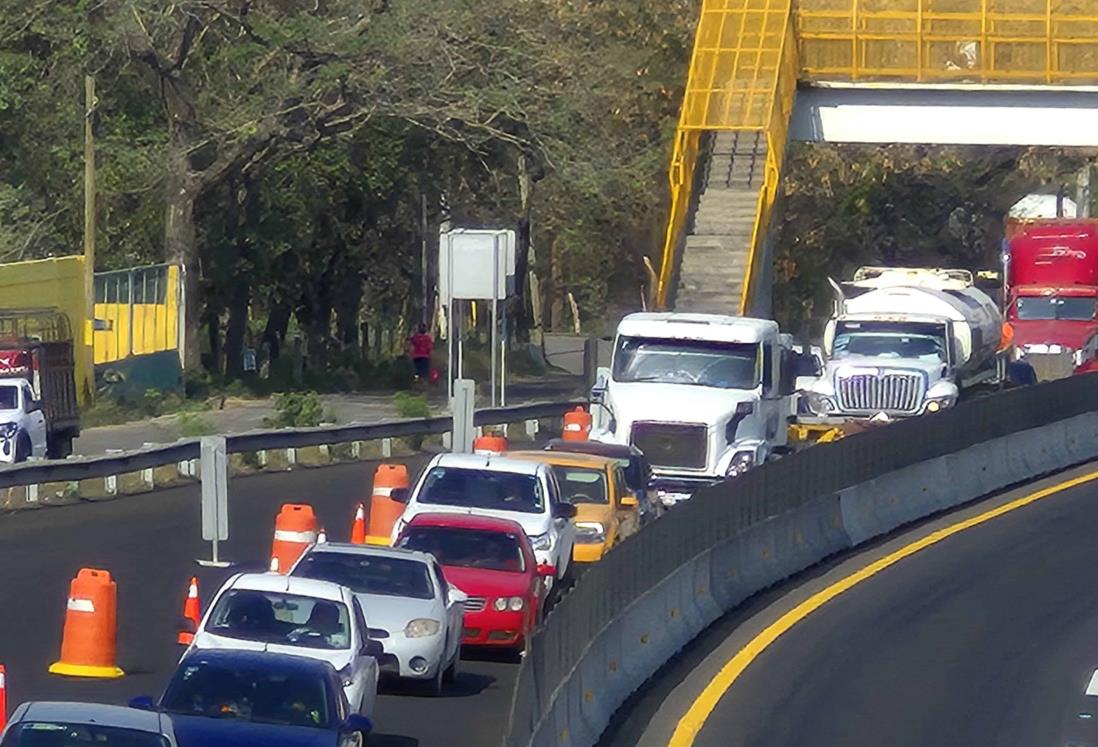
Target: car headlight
515	604
741	462
820	404
590	532
541	541
422	628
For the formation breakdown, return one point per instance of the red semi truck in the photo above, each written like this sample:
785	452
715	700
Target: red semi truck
1051	293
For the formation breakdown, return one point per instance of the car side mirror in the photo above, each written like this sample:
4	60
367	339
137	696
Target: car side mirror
630	501
373	648
400	495
457	596
142	703
564	511
547	571
358	723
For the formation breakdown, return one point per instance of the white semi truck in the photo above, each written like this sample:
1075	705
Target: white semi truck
704	396
906	341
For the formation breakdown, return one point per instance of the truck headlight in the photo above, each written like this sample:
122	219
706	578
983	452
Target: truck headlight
820	404
590	532
940	403
741	462
423	627
541	541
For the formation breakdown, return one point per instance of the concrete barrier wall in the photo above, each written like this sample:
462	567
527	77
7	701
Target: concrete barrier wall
657	625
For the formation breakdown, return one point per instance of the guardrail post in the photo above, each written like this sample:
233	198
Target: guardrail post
291	457
532	427
261	457
386	448
356	449
462	408
32	493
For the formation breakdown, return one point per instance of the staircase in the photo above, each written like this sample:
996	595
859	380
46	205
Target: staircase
715	260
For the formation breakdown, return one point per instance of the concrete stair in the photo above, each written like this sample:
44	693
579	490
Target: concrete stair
714	261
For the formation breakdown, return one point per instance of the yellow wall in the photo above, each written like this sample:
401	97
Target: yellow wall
155	326
47	283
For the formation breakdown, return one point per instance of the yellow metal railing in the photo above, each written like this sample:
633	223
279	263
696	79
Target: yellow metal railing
742	64
983	41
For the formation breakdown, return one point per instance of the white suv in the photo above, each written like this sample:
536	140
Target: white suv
488	485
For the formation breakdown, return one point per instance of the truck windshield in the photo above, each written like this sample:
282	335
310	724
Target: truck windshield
1057	307
9	397
726	365
889	340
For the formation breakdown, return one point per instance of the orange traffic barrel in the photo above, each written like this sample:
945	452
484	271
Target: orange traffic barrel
192	614
490	444
577	425
384	511
89	641
3	697
295	530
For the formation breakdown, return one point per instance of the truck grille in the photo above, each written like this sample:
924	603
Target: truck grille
890	393
474	604
681	445
1051	366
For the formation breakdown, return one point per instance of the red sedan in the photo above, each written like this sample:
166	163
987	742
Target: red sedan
491	560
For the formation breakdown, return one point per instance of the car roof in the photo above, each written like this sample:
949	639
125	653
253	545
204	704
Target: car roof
619	451
467	521
567	459
376	551
306	587
97	713
490	462
260	660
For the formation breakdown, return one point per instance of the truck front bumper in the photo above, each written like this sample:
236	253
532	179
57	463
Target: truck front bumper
672	490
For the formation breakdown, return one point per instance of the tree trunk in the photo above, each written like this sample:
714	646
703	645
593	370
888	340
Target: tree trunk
239	302
278	321
181	247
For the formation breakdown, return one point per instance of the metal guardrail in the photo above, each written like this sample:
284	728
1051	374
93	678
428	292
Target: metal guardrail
84	468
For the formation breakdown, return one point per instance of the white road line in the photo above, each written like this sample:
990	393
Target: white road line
1092	686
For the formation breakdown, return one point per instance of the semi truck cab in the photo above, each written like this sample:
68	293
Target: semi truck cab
705	396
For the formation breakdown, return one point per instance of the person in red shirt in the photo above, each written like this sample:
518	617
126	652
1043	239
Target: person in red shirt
420	346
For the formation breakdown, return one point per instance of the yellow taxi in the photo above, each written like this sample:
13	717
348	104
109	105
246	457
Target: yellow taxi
606	510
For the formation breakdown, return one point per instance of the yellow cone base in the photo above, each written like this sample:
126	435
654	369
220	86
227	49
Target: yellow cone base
81	670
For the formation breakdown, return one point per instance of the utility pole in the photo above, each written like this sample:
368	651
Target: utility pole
89	222
89	198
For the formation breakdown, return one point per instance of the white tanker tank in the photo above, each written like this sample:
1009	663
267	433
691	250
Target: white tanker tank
903	350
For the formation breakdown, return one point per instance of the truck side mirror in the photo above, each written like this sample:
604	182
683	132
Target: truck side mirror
602	383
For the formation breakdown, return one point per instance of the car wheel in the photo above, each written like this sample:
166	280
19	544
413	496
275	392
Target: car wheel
433	686
451	671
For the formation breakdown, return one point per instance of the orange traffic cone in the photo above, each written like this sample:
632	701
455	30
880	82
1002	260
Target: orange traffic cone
489	444
192	614
3	697
295	530
89	642
384	511
358	527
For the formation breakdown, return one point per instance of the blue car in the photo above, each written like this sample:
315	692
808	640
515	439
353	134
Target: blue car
221	698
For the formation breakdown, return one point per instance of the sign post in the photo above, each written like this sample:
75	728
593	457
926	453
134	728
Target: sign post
215	496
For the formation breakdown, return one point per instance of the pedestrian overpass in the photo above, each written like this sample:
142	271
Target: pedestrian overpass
763	72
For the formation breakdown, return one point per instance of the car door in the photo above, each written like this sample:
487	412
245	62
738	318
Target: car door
364	667
563	529
627	517
36	421
455	614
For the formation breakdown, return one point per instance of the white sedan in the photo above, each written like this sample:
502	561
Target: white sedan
411	609
298	616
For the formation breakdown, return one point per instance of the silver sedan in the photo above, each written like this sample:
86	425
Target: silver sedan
90	723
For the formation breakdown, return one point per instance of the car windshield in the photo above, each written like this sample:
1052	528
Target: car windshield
479	488
369	574
468	548
578	485
727	365
267	696
1056	307
887	340
61	734
285	619
9	397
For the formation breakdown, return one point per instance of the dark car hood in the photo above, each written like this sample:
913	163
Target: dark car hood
1071	334
200	731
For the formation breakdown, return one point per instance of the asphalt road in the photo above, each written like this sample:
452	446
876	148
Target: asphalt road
988	638
149	544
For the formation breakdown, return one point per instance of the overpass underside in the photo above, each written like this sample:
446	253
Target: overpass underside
767	71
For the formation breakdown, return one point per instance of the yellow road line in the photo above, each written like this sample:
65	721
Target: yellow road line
690	724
